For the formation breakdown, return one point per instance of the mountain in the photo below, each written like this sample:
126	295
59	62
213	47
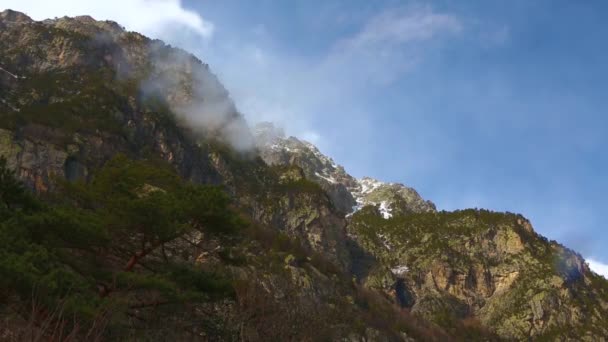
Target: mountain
135	203
449	266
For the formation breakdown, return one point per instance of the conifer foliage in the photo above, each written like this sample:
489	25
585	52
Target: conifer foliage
97	247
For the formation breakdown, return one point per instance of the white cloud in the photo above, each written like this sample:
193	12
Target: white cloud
399	26
150	17
389	44
598	267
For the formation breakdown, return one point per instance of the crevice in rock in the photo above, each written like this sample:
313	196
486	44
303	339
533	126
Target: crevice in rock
403	295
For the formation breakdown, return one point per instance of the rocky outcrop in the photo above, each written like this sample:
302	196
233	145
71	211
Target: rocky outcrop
285	199
276	149
36	162
10	17
391	198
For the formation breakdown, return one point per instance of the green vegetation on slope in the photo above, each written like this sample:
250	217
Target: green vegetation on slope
100	247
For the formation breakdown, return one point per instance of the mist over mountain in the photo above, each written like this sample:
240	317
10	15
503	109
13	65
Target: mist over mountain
136	203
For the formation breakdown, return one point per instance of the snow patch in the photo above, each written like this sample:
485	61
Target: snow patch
355	208
278	146
328	178
368	185
399	270
385	210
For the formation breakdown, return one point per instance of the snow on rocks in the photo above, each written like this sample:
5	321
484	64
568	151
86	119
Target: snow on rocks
399	270
385	210
277	148
327	178
365	187
273	139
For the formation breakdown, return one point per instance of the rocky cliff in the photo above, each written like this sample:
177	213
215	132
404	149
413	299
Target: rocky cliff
326	255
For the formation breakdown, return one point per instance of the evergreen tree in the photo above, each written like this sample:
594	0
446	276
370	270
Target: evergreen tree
100	245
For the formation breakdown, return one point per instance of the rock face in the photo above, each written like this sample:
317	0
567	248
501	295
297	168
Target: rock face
9	17
276	149
490	267
391	198
74	92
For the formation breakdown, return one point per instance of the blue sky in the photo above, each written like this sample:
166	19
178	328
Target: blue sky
493	104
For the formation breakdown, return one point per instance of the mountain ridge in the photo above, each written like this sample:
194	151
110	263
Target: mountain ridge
348	193
357	259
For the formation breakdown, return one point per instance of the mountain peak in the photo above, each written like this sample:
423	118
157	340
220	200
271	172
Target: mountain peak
347	193
10	16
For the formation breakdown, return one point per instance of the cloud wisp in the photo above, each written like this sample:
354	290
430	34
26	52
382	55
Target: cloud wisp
388	45
598	267
395	27
196	96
